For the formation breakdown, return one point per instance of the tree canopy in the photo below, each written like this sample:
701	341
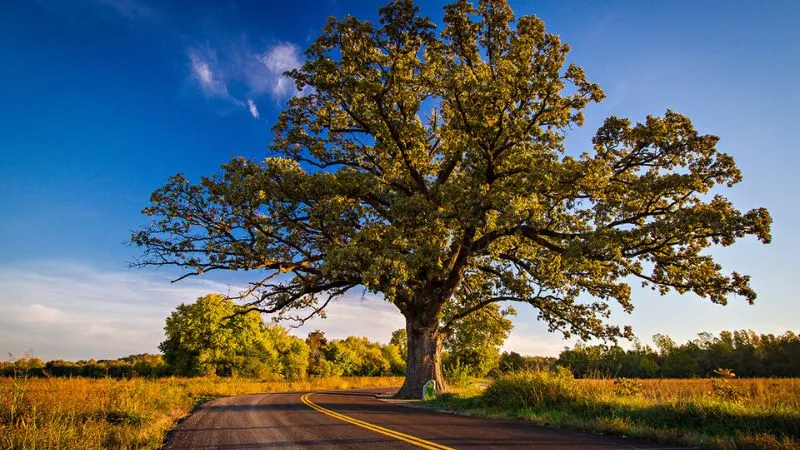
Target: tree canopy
429	166
214	336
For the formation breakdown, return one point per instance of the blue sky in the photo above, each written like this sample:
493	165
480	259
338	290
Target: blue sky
103	99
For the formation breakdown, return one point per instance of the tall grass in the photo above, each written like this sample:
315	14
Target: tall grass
533	389
84	413
758	392
764	413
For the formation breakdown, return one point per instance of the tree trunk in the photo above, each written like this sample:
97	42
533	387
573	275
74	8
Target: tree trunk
423	359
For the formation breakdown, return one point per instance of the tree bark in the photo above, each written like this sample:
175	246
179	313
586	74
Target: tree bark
423	359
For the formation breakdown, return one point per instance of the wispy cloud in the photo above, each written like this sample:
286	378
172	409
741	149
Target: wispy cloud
234	75
62	309
67	310
253	109
208	77
265	73
59	309
240	73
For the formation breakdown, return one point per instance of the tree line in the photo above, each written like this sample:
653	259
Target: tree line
745	352
216	337
143	365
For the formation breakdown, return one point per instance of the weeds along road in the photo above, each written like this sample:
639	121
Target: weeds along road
355	419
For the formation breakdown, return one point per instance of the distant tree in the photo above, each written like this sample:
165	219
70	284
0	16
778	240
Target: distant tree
93	369
474	341
317	364
360	356
431	167
585	360
648	367
745	352
511	362
25	366
117	368
396	359
61	368
374	362
682	362
664	343
400	339
344	359
748	357
208	337
293	352
784	355
147	365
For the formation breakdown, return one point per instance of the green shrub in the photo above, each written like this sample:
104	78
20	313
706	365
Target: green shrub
458	375
722	389
533	389
627	387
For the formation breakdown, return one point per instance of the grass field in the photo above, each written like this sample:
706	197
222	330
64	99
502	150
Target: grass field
83	413
759	413
44	413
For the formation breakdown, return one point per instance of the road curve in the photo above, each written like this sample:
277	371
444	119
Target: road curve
355	419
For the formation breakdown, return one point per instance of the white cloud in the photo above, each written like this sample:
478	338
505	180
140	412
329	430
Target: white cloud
252	106
279	59
208	78
263	72
240	72
534	340
60	309
66	310
40	314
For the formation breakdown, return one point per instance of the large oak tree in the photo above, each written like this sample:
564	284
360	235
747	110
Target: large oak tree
429	166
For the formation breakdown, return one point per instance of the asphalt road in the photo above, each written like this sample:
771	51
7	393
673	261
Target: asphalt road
357	420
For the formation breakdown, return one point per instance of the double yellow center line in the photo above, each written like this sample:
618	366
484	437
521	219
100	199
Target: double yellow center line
422	443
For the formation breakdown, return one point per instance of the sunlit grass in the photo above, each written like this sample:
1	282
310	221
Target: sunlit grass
84	413
763	413
136	413
758	392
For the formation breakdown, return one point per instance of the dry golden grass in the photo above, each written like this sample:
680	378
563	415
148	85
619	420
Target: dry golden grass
757	392
136	413
762	413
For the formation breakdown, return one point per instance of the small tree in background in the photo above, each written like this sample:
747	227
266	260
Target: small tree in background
317	364
208	337
475	340
293	352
